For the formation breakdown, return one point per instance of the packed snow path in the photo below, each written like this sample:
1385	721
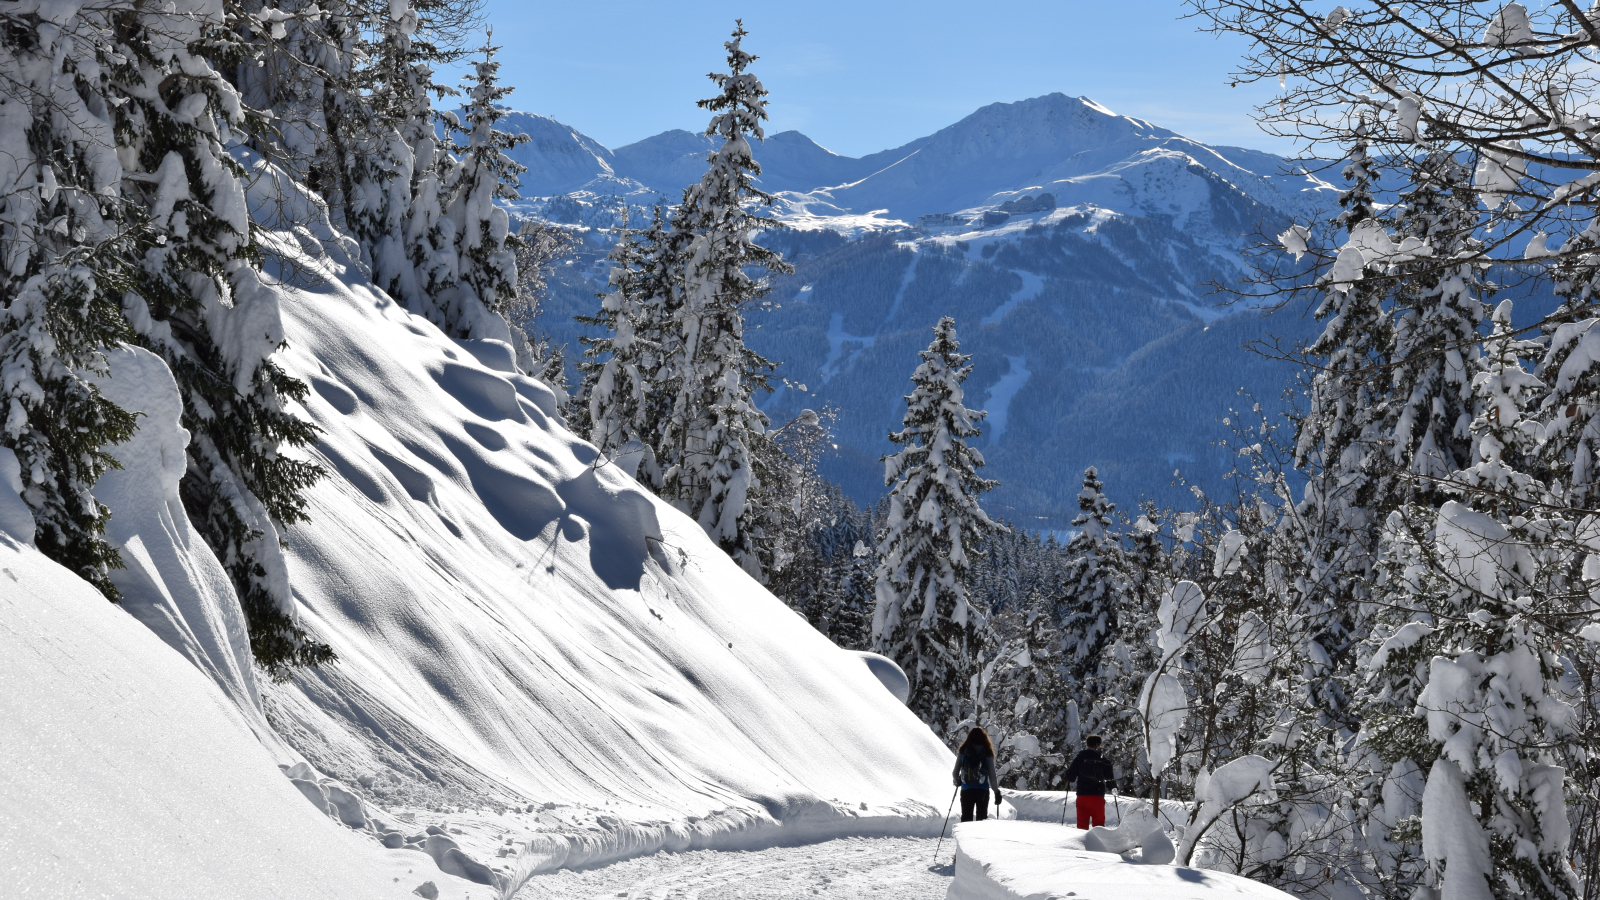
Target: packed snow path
849	869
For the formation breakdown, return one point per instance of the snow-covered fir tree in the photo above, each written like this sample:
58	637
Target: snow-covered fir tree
1341	444
714	439
383	170
1571	408
1092	587
62	273
923	619
627	382
201	304
486	282
1131	656
1439	311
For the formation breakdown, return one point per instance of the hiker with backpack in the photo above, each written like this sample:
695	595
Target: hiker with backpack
974	774
1093	773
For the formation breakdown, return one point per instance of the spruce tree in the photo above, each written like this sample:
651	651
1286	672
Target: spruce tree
486	283
1092	588
1570	454
1438	316
200	302
64	268
382	142
1341	431
924	620
627	382
53	333
1341	446
715	438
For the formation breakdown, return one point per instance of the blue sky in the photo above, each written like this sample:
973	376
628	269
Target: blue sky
863	76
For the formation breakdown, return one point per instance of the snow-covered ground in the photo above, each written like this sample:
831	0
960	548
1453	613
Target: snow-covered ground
131	775
846	869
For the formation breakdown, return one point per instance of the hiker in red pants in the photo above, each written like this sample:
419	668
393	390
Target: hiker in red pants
1094	774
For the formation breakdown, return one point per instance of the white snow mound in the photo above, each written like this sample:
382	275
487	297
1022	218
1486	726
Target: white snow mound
999	860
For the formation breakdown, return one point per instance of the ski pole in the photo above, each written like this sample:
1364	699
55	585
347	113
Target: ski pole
1117	800
1063	809
945	825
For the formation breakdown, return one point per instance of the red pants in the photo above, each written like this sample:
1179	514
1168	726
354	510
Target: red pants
1091	811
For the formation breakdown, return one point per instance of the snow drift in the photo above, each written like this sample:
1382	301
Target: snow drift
1015	860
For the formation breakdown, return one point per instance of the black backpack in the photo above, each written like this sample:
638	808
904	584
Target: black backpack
971	768
1097	769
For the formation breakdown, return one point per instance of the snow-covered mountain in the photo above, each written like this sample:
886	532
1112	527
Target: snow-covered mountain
790	161
1071	147
559	158
1076	249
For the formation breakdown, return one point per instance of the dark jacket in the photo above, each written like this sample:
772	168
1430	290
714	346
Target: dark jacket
988	779
1092	772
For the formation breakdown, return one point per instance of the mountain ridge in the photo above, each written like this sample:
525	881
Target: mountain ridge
1072	147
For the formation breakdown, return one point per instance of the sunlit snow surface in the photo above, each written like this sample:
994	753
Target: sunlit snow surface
1000	860
131	776
519	624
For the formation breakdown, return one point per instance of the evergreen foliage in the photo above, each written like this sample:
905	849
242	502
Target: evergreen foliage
715	440
57	423
128	223
924	619
1092	588
64	255
486	284
627	381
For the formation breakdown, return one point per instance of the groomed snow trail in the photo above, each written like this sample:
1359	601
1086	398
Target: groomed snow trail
849	869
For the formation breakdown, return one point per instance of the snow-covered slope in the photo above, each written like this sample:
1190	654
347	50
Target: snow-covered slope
130	775
519	623
559	157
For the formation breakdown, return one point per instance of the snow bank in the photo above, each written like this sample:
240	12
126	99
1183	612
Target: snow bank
171	581
534	652
131	775
1038	861
1046	806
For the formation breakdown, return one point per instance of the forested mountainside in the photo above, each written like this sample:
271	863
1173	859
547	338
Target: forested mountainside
1078	251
